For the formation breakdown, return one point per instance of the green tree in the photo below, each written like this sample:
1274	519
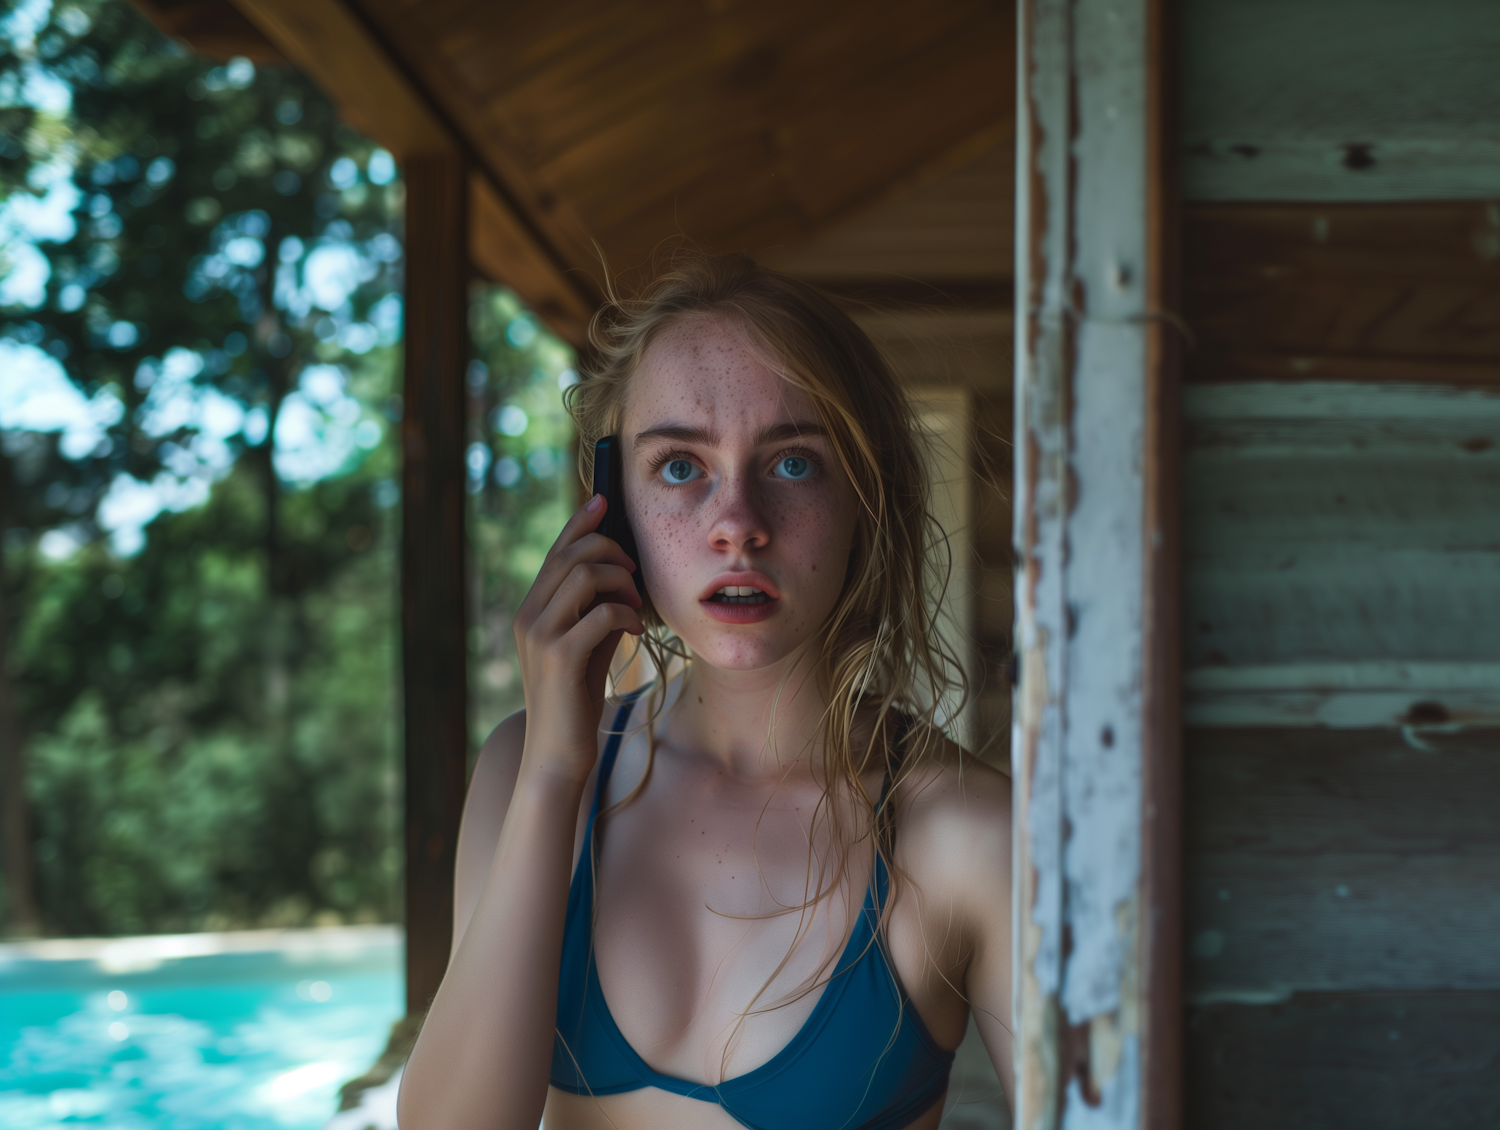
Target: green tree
198	575
224	311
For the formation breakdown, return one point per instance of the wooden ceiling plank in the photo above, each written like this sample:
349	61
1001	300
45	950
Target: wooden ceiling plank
839	141
626	124
799	61
681	158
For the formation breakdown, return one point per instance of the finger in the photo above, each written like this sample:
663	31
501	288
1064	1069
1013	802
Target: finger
578	592
592	629
577	542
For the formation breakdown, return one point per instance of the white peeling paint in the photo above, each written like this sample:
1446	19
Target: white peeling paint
1080	413
1102	759
1104	581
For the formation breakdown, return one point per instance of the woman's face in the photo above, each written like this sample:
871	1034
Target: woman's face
743	517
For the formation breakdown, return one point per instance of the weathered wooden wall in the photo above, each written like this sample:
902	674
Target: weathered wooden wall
1342	563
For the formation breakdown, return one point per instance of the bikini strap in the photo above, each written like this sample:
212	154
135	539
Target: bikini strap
885	826
612	748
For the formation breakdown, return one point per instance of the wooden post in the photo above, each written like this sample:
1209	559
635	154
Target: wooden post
1096	756
434	648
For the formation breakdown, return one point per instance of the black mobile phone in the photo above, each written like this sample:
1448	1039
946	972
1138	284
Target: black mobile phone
609	481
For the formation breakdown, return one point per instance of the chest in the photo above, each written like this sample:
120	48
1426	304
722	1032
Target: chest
711	942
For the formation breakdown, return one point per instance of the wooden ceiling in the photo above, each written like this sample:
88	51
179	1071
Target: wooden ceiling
614	128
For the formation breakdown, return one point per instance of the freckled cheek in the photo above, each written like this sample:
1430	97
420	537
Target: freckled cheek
813	529
665	535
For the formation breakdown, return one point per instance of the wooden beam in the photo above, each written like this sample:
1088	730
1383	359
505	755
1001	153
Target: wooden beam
1096	760
332	44
434	646
215	28
504	252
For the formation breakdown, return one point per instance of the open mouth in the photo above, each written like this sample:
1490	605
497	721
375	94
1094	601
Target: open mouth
739	594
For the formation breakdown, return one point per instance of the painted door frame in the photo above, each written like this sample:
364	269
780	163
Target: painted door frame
1096	747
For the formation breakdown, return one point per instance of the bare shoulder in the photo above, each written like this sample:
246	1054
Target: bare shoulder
499	758
953	820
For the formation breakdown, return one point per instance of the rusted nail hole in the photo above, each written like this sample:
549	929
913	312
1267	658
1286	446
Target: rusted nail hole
1477	444
1426	714
1358	156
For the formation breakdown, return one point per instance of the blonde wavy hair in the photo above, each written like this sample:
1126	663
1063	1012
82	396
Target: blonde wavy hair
878	655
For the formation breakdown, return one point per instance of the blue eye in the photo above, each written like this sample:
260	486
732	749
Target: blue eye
794	467
680	471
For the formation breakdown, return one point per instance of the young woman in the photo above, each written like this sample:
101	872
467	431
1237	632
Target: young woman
767	892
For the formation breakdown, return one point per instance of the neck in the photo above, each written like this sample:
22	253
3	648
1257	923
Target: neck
739	719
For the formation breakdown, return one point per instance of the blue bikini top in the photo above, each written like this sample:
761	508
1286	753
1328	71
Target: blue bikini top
862	1061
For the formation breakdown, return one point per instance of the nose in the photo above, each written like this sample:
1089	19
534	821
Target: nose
739	521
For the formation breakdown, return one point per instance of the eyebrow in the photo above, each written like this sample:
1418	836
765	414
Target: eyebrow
683	433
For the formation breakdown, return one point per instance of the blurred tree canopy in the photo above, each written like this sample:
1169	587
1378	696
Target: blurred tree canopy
199	355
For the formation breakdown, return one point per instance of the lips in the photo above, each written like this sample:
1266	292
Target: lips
739	583
740	598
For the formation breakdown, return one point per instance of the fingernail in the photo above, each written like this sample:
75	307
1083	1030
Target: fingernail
593	504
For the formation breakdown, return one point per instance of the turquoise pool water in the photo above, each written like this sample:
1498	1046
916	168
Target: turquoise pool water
242	1031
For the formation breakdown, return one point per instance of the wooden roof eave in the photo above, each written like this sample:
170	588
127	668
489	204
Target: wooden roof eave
333	46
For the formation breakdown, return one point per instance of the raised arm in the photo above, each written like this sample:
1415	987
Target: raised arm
481	1062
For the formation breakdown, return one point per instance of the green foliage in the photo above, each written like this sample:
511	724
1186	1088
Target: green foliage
517	507
213	758
211	710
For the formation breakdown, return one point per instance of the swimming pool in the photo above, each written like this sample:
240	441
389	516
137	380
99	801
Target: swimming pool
253	1030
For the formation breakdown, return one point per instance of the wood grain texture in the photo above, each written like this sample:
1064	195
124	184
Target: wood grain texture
1398	292
1341	860
948	236
1341	99
733	125
1347	1061
1341	522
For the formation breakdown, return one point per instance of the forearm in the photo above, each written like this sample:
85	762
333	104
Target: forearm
483	1056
